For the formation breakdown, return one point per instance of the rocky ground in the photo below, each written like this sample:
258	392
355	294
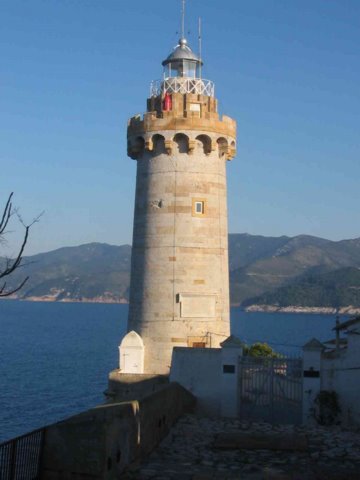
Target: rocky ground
191	452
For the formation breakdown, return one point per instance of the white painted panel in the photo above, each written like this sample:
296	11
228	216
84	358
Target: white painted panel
194	305
195	107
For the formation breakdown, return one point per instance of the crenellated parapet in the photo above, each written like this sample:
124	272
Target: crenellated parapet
191	121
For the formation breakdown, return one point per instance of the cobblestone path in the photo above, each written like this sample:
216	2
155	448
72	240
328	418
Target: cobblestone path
189	453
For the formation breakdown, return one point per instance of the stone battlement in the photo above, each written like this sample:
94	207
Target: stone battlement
194	114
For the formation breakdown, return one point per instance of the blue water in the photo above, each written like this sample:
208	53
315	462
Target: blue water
55	357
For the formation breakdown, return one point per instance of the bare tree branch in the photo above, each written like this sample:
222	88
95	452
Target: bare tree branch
11	265
6	214
7	294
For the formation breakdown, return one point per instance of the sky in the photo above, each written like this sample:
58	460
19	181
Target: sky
73	71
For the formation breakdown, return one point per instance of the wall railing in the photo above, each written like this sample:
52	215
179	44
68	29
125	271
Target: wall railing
20	457
182	85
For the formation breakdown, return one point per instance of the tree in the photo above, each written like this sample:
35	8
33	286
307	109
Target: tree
259	349
8	265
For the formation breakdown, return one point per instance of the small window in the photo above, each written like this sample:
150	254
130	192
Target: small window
199	207
198	345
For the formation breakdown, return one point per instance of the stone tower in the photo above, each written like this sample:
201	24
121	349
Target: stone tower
179	293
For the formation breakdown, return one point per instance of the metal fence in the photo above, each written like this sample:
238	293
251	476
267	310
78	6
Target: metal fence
270	389
20	457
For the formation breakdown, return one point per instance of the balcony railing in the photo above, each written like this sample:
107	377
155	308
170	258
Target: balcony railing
183	85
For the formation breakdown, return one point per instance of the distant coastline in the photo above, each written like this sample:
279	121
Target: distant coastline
51	299
349	310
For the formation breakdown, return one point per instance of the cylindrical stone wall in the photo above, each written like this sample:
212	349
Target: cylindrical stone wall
179	294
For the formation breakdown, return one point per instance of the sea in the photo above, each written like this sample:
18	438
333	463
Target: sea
55	357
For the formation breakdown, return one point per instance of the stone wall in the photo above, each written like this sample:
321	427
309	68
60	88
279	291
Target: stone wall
179	278
101	442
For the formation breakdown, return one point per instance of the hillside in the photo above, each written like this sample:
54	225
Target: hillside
295	258
91	272
258	265
336	290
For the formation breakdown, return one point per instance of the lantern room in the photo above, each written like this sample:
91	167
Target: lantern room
182	62
182	74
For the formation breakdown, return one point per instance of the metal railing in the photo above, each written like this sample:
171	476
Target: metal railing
183	85
20	457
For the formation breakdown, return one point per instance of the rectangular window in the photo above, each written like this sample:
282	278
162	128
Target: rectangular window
198	207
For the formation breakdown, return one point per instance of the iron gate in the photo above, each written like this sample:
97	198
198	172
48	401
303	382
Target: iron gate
270	389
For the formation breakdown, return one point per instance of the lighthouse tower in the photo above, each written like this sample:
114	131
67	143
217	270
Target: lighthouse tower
179	292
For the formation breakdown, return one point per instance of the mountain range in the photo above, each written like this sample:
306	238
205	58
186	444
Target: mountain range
281	271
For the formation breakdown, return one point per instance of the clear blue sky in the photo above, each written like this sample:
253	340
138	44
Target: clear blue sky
73	71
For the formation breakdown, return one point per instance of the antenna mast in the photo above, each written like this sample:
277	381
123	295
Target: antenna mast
183	19
200	47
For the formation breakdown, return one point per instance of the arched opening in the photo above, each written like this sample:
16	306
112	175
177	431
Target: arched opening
204	142
181	142
222	146
158	144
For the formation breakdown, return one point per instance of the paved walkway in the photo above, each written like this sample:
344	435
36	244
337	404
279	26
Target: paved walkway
191	452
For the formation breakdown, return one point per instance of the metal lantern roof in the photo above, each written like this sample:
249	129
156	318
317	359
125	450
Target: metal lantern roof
182	52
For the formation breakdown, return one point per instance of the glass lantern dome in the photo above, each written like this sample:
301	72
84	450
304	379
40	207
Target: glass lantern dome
182	62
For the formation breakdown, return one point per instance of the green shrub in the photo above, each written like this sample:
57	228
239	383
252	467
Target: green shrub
259	349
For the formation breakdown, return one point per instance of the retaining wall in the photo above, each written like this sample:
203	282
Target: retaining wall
101	442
